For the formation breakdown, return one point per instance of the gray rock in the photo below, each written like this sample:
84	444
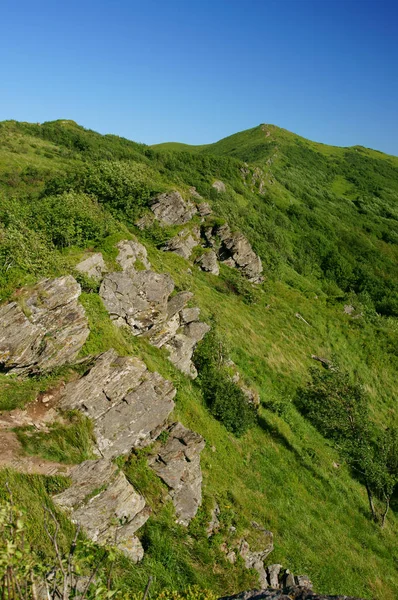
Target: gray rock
219	186
255	559
273	575
208	262
204	209
46	328
304	582
106	506
288	579
214	523
129	253
177	303
137	299
184	242
182	345
188	315
177	463
128	404
236	247
93	266
172	209
296	593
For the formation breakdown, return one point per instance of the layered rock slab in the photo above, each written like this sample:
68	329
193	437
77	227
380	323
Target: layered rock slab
142	300
46	328
184	242
171	209
106	506
93	266
128	404
177	463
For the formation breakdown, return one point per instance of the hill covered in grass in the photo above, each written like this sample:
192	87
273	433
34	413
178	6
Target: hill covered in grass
324	222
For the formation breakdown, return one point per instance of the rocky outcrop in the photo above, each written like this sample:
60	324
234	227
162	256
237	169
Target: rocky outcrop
293	593
171	209
177	463
184	242
208	262
219	186
93	266
142	301
204	209
132	256
106	506
128	404
236	249
254	559
137	299
45	328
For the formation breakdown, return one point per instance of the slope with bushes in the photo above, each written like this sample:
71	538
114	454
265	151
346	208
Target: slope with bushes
324	223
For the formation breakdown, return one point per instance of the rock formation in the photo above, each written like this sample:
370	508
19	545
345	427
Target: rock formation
292	593
171	209
141	300
131	254
184	242
219	186
45	328
106	506
128	404
208	262
177	462
93	266
254	559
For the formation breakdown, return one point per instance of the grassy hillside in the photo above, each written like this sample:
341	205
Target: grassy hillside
324	221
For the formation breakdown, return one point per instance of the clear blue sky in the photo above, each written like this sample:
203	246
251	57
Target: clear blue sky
198	70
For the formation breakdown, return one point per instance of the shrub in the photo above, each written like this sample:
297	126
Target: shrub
226	401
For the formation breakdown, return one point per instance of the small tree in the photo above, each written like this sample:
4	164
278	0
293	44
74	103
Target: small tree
339	410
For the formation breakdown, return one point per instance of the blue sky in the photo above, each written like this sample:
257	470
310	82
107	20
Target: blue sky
196	71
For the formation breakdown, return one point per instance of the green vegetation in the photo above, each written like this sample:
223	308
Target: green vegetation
339	409
69	443
325	223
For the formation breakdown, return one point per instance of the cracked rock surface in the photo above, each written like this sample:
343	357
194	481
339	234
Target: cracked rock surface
106	506
128	404
184	242
93	266
177	463
142	300
44	329
292	593
171	209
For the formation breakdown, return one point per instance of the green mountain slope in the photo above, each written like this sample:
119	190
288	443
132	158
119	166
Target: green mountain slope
325	223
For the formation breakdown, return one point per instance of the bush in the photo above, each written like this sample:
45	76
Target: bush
226	401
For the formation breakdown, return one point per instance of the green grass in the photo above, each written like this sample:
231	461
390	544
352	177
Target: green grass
326	229
70	442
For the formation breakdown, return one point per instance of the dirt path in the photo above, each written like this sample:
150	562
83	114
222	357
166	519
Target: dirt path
39	414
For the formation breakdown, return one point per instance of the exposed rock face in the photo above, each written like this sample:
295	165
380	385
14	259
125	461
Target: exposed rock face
141	300
184	242
219	186
128	404
255	559
137	299
236	249
178	464
182	346
204	209
94	266
49	331
295	593
129	253
106	506
208	262
172	209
